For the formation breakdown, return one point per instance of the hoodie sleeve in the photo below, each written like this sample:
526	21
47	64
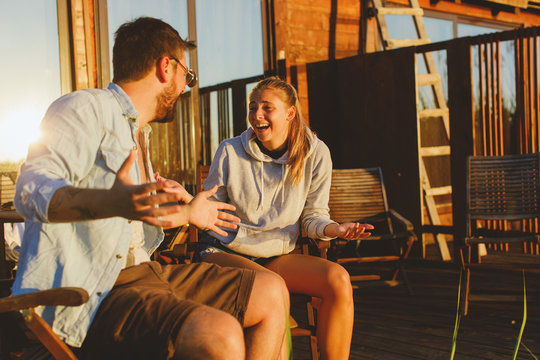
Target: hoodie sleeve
316	216
218	174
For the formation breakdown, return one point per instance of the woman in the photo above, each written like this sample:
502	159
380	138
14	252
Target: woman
277	174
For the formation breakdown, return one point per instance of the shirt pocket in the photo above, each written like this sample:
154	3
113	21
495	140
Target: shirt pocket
114	152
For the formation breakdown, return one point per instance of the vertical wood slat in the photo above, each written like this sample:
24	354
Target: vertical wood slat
84	55
493	130
499	100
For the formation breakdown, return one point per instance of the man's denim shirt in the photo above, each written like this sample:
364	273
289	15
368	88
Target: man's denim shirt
86	137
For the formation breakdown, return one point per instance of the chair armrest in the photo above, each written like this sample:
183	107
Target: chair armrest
399	218
66	296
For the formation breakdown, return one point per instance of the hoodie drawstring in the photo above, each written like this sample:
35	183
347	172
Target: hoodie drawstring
262	187
283	170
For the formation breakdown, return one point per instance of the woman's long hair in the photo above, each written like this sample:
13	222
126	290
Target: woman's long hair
298	135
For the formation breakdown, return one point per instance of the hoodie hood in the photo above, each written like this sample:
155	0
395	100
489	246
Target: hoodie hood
248	138
252	149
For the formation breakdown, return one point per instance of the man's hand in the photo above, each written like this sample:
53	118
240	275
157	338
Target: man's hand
174	187
135	202
139	202
348	231
208	215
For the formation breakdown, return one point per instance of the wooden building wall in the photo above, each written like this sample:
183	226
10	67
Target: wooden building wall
315	30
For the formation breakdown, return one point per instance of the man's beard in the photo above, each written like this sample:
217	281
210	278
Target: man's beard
166	101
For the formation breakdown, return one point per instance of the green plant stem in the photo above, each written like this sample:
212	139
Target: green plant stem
458	318
524	321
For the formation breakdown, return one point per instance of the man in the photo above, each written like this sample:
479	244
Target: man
93	218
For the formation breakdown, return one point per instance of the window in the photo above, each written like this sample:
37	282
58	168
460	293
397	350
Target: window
30	63
229	40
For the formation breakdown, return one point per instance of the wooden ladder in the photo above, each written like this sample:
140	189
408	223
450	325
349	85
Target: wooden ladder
430	78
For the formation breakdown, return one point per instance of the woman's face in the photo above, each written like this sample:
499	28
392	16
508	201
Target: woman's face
269	117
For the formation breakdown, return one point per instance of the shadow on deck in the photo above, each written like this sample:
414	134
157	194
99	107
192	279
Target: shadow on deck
391	325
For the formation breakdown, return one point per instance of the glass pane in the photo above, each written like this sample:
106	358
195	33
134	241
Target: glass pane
173	12
400	27
473	30
439	29
30	63
229	40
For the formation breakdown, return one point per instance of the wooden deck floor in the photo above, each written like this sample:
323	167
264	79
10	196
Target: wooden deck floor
392	325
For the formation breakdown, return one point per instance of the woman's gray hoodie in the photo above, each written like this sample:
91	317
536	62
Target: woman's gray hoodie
270	205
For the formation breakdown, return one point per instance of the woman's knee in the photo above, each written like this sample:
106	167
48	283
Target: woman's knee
339	282
209	333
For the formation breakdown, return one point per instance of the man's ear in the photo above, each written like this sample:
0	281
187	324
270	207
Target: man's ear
164	69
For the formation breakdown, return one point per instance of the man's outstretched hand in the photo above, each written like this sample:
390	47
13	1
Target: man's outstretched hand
209	215
141	202
134	202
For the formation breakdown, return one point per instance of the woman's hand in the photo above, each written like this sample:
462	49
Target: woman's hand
348	231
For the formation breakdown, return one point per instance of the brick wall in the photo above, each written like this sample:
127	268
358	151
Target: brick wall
315	30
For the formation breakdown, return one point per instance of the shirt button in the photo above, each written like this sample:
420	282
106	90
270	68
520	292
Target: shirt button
118	256
129	221
99	293
135	147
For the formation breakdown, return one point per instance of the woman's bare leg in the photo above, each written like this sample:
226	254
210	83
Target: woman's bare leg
331	282
267	311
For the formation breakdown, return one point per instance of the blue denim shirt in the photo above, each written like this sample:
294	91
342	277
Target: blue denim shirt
86	137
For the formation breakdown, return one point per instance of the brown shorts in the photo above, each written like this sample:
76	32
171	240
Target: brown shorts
142	315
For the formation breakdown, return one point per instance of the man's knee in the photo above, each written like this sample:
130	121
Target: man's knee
270	289
209	333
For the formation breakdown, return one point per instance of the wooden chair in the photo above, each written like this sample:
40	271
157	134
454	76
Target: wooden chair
503	207
22	306
360	195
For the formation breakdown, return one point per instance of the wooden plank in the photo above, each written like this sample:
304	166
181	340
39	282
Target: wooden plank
441	190
427	79
516	3
435	150
400	11
399	43
439	112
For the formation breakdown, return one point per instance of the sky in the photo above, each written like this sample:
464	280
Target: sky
30	73
229	39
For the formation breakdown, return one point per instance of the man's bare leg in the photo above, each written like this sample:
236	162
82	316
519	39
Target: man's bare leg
208	333
267	312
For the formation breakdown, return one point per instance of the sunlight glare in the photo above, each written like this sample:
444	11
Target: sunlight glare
19	129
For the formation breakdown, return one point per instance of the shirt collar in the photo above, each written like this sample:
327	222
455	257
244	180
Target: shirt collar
128	109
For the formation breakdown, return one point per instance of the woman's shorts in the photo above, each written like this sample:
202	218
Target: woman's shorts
207	244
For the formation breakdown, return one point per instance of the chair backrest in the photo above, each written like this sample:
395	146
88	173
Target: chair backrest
202	174
356	194
503	187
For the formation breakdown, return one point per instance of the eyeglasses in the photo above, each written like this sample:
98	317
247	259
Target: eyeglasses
191	76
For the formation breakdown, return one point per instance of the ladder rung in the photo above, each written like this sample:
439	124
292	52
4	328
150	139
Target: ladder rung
435	150
433	113
399	43
427	79
400	11
443	190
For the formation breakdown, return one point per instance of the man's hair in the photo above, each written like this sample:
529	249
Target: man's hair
139	44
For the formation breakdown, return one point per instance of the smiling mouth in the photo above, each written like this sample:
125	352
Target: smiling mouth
262	127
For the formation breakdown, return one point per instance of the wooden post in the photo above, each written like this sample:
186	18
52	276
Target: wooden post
461	105
239	108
